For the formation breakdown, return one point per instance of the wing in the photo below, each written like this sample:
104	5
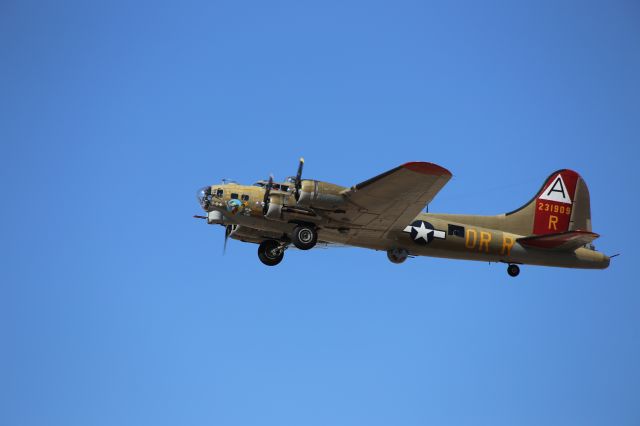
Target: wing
388	202
565	241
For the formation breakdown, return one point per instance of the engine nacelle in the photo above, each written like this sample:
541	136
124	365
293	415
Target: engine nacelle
215	217
274	207
243	233
323	195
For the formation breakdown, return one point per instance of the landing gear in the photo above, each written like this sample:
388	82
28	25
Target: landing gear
304	237
397	255
270	252
513	270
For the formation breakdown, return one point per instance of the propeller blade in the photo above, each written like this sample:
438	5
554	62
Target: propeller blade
267	194
298	183
299	174
227	232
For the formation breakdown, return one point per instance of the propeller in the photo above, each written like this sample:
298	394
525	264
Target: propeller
267	193
227	231
298	183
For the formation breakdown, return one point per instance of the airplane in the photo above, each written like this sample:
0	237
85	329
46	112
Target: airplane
385	213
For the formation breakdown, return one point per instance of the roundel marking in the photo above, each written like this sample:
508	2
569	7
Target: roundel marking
421	232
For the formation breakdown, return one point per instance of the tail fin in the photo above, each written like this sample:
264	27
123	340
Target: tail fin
561	205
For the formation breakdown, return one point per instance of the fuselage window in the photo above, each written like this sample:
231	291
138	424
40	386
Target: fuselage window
219	192
456	230
245	197
234	196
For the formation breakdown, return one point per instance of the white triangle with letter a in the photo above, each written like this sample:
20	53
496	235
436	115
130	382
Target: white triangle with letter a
556	191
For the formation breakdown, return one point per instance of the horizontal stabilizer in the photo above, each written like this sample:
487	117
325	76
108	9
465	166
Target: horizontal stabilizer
565	241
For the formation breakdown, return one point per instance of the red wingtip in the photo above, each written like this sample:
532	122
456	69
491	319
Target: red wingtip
427	168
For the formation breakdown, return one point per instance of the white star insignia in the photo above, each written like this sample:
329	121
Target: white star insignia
425	233
422	232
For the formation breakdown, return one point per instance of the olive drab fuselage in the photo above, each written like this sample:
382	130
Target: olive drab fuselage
553	229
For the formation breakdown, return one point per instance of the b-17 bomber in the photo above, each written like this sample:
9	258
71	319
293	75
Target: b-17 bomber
386	213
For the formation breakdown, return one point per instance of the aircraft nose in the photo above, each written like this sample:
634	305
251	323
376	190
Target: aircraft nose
204	197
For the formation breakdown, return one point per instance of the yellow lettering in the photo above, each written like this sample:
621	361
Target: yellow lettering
485	239
507	243
553	222
469	243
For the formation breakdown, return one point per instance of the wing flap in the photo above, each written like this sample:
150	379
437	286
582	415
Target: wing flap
564	241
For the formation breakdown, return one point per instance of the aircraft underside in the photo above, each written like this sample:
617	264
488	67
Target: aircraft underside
496	247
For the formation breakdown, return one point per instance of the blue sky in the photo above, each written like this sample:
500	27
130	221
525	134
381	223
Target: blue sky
117	308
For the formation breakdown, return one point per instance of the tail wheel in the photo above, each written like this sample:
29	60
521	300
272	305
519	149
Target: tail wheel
513	270
270	253
304	237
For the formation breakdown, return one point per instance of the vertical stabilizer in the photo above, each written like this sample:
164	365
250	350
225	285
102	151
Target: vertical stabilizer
561	205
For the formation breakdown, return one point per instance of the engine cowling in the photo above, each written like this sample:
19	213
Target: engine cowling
319	194
215	217
274	207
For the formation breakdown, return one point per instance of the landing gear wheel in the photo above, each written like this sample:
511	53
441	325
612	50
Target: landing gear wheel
270	252
304	237
513	270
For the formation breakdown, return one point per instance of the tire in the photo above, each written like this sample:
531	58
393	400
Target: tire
513	270
269	254
304	237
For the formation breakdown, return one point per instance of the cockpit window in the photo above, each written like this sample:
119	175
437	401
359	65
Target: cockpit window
219	192
245	197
